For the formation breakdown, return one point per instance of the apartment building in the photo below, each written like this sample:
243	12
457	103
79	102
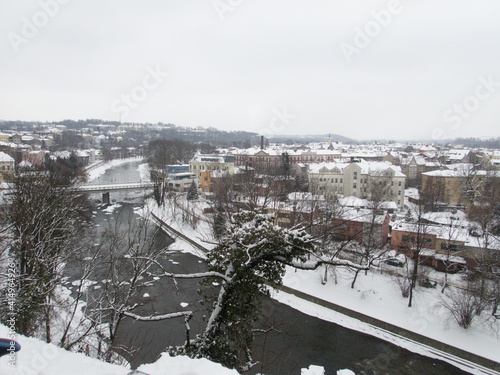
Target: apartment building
458	186
359	179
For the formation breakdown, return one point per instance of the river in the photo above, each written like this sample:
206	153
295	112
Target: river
297	341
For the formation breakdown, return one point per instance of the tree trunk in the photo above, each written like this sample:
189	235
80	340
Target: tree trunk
413	278
355	278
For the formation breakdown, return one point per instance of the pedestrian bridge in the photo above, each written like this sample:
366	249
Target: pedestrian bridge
113	187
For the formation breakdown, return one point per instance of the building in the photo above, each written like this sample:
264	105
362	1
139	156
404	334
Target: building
7	165
180	181
221	163
177	168
444	247
413	167
359	179
456	187
362	225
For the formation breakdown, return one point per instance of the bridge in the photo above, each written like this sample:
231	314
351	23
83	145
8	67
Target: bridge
106	188
113	187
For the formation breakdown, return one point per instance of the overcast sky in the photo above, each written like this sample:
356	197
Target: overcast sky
364	69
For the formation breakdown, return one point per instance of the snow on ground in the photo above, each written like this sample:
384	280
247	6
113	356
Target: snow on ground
313	370
376	295
38	357
200	232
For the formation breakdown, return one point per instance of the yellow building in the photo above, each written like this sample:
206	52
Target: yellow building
7	165
455	187
4	137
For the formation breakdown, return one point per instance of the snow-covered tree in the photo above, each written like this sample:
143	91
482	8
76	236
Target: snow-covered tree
250	257
219	220
46	222
192	192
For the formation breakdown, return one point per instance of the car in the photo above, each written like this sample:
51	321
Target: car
394	262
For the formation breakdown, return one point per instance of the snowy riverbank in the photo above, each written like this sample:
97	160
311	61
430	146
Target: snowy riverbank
375	295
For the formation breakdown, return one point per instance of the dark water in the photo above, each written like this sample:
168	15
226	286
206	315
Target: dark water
295	341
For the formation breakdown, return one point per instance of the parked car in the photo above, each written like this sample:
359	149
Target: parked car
394	262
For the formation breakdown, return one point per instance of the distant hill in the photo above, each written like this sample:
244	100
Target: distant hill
291	139
199	134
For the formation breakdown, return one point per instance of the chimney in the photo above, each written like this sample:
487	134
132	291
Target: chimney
261	142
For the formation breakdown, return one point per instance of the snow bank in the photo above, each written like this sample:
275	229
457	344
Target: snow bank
38	357
313	370
184	366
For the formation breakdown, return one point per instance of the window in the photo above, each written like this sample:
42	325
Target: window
354	186
336	180
399	183
407	238
340	180
355	175
399	192
450	247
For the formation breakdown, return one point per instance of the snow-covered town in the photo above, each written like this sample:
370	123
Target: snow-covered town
395	240
249	187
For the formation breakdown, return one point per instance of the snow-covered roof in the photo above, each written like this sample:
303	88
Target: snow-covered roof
5	158
305	196
459	172
450	233
457	218
333	167
412	193
375	167
443	257
354	202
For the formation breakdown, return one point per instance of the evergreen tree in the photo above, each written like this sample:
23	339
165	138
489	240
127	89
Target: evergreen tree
298	183
219	225
286	165
192	192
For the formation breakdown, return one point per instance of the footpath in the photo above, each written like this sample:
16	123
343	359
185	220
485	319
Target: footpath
463	359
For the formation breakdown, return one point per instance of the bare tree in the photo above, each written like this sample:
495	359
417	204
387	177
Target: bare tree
417	242
465	305
451	235
160	154
47	220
